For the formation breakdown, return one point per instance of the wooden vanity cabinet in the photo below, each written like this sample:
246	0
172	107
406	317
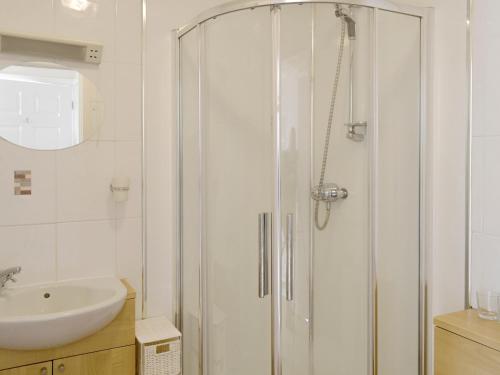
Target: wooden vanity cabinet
119	361
466	345
109	362
38	369
110	351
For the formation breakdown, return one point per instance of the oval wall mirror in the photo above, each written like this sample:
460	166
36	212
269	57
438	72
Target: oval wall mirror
47	107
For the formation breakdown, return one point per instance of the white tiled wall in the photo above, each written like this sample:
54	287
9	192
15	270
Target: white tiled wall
70	227
486	147
162	17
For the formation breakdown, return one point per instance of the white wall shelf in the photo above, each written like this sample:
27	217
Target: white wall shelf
35	45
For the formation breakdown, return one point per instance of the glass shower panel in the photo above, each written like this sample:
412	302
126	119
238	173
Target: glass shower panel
295	53
256	85
190	202
238	182
397	198
341	251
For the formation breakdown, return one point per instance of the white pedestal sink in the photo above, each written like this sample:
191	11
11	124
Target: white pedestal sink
52	315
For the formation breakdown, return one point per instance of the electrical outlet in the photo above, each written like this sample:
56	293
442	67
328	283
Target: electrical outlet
93	54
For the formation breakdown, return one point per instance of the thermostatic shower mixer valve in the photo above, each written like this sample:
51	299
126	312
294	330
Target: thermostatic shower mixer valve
329	193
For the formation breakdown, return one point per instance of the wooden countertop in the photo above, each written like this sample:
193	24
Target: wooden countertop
468	324
130	289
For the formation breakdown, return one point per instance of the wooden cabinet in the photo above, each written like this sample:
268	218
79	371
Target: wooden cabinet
38	369
466	345
110	351
118	361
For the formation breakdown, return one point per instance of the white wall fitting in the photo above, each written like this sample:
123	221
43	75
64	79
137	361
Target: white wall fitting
449	146
70	227
163	16
397	192
485	271
447	140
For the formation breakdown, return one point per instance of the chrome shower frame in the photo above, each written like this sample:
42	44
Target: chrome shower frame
426	180
468	164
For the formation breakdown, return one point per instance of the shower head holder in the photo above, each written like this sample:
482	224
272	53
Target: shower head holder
353	133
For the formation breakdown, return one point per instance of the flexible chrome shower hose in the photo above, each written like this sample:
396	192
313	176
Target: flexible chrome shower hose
328	133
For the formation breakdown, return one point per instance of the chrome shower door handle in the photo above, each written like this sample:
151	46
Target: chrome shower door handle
289	256
264	241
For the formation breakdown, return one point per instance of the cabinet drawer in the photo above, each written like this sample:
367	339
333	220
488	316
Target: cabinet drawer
38	369
457	355
120	361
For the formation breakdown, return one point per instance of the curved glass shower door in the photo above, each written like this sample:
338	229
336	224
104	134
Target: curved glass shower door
239	178
233	187
300	191
323	64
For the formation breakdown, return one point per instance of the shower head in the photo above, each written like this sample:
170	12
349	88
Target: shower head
351	24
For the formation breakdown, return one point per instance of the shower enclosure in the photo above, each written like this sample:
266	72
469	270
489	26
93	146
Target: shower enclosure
301	189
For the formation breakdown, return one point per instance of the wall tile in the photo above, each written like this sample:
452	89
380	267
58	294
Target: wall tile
128	164
485	69
477	182
86	249
71	187
39	207
95	24
128	31
129	255
103	77
33	248
491	185
485	263
128	102
84	174
27	16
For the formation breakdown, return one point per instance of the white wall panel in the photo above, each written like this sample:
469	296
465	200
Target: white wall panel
70	188
485	271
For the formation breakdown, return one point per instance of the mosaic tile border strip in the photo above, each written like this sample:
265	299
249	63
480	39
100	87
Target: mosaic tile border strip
22	182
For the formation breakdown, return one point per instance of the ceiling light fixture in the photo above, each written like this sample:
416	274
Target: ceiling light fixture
78	5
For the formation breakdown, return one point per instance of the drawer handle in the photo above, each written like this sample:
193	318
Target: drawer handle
61	367
43	371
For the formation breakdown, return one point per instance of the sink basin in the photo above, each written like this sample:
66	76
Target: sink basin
52	315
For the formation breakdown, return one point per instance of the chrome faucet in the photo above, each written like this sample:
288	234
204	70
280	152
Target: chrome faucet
8	275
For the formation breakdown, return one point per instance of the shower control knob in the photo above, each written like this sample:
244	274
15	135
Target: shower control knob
329	193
